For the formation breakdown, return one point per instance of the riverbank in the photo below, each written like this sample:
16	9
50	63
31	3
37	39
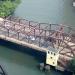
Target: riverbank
7	7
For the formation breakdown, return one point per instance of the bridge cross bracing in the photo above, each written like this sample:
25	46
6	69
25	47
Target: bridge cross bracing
39	36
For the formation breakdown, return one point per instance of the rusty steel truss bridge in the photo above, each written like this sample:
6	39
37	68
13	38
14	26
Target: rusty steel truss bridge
40	36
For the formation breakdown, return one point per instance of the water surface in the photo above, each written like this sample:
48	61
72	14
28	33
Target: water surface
15	62
47	11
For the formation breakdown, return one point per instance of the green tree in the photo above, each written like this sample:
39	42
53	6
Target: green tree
7	7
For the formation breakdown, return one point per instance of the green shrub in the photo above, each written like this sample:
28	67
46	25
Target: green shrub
7	7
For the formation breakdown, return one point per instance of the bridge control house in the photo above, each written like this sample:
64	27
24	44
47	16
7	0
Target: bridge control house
52	56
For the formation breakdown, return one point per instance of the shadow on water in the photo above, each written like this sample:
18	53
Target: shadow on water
40	56
11	59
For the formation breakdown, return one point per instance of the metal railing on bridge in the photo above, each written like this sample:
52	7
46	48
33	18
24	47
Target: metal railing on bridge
42	35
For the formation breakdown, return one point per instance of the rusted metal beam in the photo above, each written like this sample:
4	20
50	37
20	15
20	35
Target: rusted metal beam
18	35
32	32
8	32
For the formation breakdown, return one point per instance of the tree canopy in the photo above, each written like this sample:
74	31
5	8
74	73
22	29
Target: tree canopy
7	7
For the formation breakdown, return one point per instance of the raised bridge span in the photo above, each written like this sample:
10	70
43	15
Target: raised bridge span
40	36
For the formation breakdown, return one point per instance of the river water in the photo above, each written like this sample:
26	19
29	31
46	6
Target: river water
18	60
47	11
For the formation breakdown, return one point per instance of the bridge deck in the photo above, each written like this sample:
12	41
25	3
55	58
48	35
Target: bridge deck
39	36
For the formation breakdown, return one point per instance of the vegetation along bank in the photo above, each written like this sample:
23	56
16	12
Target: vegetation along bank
7	7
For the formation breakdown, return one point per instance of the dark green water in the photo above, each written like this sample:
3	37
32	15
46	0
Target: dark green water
21	63
48	11
18	60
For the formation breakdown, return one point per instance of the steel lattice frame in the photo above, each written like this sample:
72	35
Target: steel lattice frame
21	29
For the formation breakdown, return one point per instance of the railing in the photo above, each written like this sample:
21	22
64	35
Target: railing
41	34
